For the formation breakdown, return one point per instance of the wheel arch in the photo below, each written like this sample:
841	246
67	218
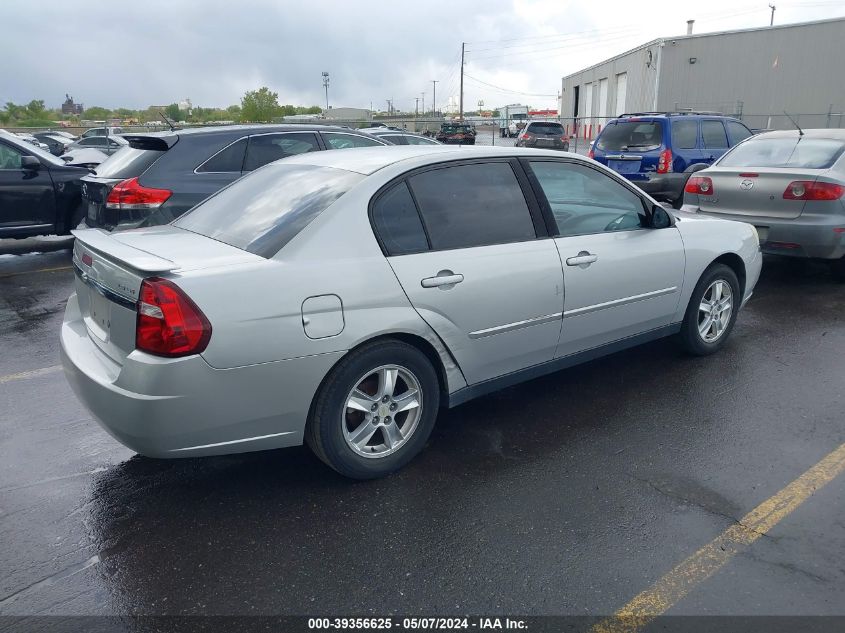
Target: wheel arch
736	264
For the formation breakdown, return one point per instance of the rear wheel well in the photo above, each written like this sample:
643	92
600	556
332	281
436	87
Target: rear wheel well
735	263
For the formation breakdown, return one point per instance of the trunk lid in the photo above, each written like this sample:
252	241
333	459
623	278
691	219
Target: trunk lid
110	267
753	193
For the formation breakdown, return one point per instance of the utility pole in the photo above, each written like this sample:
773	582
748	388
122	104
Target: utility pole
434	98
423	102
772	21
463	45
326	86
416	107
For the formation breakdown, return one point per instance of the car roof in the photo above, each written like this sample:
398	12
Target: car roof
258	127
830	133
368	160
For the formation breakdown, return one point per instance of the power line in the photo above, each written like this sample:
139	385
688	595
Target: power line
500	88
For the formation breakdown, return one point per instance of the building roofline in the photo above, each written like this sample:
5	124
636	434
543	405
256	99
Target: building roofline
675	38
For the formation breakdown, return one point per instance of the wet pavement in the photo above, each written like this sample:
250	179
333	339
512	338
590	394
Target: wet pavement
569	494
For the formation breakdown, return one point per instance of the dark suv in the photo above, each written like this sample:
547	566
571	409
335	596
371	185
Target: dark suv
456	134
658	151
161	175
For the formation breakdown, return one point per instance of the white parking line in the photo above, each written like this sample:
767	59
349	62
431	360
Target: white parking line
30	374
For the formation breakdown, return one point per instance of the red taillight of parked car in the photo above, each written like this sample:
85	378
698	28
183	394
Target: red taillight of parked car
169	323
664	162
810	190
591	153
130	194
701	185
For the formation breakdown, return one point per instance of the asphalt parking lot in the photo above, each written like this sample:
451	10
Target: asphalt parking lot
570	494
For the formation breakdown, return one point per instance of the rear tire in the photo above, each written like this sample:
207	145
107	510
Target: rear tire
704	332
71	220
335	431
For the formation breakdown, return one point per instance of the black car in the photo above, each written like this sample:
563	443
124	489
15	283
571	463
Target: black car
456	134
161	175
57	144
39	194
400	137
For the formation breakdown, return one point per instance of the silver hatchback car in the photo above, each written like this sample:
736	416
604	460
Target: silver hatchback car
341	298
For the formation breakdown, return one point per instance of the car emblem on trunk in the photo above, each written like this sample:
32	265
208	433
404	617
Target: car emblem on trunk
746	184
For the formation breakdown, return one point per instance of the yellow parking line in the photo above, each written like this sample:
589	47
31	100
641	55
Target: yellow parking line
30	374
667	591
40	270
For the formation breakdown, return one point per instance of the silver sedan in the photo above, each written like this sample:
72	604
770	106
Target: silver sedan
342	298
789	184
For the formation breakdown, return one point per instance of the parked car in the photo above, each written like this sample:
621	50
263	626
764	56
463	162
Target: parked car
515	126
342	298
163	174
63	133
395	137
29	138
790	185
39	194
106	144
102	131
56	144
543	135
456	134
87	157
659	151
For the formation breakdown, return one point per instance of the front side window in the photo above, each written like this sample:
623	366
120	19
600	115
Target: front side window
10	158
472	205
713	134
263	211
397	222
583	200
684	134
338	140
267	148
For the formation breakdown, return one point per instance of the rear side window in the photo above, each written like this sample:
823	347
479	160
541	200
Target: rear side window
397	222
737	132
262	212
229	159
684	134
809	153
266	148
472	205
420	140
94	141
633	135
395	139
546	128
129	163
713	134
347	141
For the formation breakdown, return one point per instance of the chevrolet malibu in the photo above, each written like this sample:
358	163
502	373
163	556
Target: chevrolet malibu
341	298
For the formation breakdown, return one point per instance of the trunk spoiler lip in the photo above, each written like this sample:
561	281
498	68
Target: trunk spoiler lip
106	245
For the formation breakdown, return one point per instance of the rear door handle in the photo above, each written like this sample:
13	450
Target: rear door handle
443	278
583	259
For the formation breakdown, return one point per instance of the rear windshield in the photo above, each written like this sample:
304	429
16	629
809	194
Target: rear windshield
810	153
456	129
546	128
263	211
625	135
127	163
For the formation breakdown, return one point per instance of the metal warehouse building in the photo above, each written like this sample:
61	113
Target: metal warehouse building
754	74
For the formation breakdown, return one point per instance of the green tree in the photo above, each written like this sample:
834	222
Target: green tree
173	112
96	113
260	105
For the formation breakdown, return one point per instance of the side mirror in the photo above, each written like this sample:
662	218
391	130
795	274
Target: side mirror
30	163
660	218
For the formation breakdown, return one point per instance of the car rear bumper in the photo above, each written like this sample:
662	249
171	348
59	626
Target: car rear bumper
808	236
183	407
664	187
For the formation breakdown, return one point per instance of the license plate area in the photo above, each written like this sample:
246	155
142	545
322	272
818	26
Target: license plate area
99	314
624	166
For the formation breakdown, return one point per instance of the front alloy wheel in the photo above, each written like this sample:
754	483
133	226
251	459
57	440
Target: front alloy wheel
715	310
712	311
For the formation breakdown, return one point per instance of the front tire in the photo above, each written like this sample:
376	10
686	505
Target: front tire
712	311
375	410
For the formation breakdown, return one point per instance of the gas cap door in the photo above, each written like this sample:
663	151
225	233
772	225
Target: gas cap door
322	316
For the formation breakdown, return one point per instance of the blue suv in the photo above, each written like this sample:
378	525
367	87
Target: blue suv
658	151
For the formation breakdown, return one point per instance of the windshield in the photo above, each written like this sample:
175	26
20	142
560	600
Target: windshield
809	153
625	135
263	211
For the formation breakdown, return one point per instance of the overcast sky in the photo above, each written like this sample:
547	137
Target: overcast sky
115	53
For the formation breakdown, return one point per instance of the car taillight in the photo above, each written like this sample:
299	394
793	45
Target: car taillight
809	190
591	153
130	194
701	185
664	162
169	323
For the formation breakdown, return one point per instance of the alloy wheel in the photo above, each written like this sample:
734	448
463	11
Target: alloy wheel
714	311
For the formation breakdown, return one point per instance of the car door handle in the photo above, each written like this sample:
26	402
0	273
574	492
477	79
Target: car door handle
582	259
443	278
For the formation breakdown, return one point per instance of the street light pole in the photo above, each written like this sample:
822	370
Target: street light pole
463	45
423	102
772	20
434	98
326	86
